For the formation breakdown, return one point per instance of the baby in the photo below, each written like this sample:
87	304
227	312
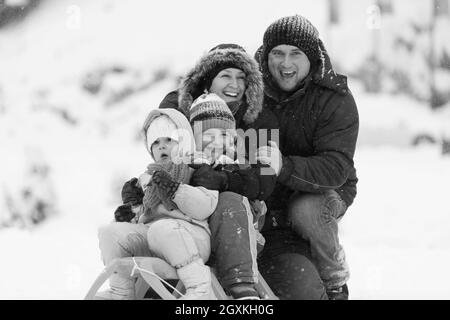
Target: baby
174	212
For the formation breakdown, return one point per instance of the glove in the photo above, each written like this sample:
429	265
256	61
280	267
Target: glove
132	193
209	178
124	213
271	156
166	184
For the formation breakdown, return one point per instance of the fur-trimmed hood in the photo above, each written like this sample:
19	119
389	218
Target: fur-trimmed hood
192	85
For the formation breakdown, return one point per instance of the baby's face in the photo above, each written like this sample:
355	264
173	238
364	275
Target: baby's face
216	142
164	149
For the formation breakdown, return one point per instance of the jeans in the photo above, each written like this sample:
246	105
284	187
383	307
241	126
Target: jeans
233	240
315	217
285	264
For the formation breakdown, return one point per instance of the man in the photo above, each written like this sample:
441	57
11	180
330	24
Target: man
318	131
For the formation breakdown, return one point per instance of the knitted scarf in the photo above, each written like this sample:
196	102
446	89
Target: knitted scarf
179	172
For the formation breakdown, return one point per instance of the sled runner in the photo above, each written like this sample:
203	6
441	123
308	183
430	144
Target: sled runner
154	272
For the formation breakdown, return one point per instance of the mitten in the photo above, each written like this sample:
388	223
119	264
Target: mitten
132	193
166	187
124	213
209	178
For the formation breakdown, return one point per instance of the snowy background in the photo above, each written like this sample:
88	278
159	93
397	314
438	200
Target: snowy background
78	77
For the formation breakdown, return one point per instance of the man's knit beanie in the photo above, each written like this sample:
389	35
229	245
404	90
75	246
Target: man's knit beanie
295	31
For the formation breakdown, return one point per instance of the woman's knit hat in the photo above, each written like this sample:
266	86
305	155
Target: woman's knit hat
210	111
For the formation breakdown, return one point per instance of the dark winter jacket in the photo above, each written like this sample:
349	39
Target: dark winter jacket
318	132
249	181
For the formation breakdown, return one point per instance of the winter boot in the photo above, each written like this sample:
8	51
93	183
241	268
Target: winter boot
340	293
121	288
244	291
196	278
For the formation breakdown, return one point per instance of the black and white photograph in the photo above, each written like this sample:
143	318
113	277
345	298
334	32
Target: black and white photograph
224	150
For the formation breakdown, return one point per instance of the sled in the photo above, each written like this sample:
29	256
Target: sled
154	272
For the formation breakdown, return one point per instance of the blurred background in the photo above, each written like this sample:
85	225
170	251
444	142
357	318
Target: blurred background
77	79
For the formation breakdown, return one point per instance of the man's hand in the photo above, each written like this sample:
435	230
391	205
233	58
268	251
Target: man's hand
208	178
271	156
132	193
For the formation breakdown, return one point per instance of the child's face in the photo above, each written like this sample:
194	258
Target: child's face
216	142
164	148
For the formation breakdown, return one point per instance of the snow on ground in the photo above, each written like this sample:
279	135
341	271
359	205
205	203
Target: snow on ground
395	234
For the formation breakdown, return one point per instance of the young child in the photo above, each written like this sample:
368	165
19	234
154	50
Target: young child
215	134
174	212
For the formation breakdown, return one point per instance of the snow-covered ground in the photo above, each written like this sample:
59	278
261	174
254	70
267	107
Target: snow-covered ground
395	235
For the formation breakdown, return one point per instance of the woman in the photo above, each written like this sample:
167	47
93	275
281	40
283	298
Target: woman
228	71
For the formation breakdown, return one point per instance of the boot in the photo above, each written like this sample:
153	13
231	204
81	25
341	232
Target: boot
196	278
244	291
121	288
340	293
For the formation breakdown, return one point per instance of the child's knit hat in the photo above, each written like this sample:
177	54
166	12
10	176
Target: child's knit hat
168	123
210	111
